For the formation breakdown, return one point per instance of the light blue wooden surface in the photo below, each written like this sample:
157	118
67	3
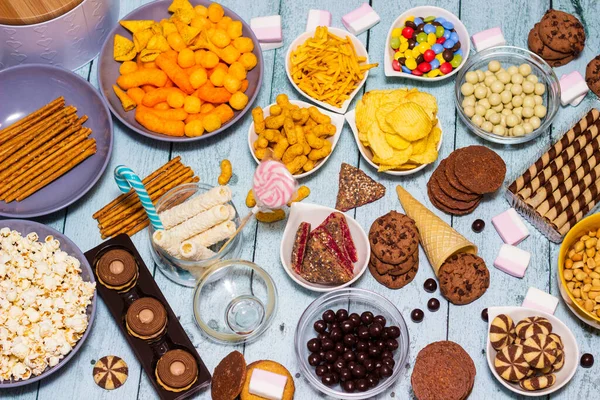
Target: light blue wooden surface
461	324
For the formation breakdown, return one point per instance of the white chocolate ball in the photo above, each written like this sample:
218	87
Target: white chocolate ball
535	122
480	75
528	101
488	73
512	120
495	99
494	65
506	112
477	119
469	101
504	77
497	86
528	87
516	89
517	78
489	80
487	126
539	111
527	112
513	69
485	102
480	92
506	97
495	118
467	89
528	127
471	77
519	130
499	130
498	108
517	101
508	106
540	89
480	110
518	111
525	69
538	99
532	78
469	111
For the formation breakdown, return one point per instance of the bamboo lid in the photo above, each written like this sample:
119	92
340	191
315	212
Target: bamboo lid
28	12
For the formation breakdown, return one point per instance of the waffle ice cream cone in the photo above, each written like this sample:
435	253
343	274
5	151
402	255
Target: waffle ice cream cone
439	240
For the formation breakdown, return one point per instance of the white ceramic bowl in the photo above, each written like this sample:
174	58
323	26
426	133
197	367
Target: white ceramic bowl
70	40
368	155
360	51
315	215
569	344
336	119
425	11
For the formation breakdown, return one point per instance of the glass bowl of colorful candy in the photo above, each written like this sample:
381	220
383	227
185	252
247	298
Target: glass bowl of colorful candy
426	43
507	95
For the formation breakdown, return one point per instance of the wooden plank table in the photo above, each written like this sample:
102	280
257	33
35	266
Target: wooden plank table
461	324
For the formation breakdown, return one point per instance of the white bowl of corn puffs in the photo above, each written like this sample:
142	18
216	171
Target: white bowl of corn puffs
304	143
335	88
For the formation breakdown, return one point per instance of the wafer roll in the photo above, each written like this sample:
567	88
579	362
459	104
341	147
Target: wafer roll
182	212
587	197
588	151
214	235
591	117
571	223
553	210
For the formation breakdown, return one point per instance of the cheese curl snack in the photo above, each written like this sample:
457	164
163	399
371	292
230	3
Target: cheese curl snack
175	73
142	77
153	122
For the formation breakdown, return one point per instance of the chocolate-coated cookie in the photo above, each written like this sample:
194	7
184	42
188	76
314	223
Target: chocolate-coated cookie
480	169
434	190
562	32
440	175
535	44
449	210
463	278
395	269
450	174
592	75
394	282
393	237
228	377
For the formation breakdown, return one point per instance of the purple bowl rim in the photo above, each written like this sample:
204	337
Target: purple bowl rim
48	20
85	264
108	154
180	139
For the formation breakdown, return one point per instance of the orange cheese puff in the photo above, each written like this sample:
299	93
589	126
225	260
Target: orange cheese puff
201	10
128	67
162	106
248	60
238	100
199	55
136	94
231	83
142	77
220	38
215	12
211	122
244	85
217	77
186	59
194	117
224	112
169	84
210	60
177	75
175	99
224	23
127	102
243	44
220	66
192	69
148	88
230	54
154	123
149	65
194	128
237	69
198	77
211	94
176	41
199	22
234	29
192	105
158	96
171	55
206	108
173	114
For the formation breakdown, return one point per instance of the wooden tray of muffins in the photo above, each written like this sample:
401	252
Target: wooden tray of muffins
146	319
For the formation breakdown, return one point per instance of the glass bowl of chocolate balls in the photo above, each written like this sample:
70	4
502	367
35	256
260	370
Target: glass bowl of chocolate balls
351	343
507	95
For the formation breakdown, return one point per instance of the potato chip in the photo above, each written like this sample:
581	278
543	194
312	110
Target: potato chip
158	42
420	145
427	101
378	144
123	49
180	5
381	113
188	33
396	141
398	158
142	38
430	153
134	26
410	121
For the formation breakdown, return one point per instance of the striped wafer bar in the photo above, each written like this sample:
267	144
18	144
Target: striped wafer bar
587	197
552	169
568	138
555	204
577	217
563	181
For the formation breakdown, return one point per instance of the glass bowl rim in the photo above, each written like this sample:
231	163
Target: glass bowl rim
524	55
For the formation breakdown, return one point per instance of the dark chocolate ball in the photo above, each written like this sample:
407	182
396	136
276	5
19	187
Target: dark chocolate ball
347	326
355	318
329	316
327	344
587	360
327	379
373	380
420	59
336	334
349	386
349	356
335	377
385	371
375	330
456	47
339	364
388	361
321	370
420	28
320	326
363	332
345	375
314	359
387	354
412	43
341	315
484	314
314	344
331	356
351	365
430	285
322	354
393	332
362	385
478	224
359	371
433	304
391	344
369	364
411	24
380	343
366	317
448	55
374	352
350	340
361	357
380	319
334	325
417	315
339	348
362	347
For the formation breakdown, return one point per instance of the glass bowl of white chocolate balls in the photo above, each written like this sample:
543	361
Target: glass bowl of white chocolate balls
198	221
507	95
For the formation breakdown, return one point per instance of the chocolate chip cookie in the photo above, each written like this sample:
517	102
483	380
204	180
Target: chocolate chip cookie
535	44
592	75
393	237
463	278
395	269
562	32
394	282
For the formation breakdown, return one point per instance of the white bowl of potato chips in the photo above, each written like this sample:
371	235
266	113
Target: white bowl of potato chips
335	87
326	125
397	131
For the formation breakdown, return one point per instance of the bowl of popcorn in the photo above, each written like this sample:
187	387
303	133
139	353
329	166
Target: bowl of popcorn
47	301
579	270
507	95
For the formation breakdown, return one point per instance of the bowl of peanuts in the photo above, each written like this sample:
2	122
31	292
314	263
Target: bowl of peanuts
299	134
579	270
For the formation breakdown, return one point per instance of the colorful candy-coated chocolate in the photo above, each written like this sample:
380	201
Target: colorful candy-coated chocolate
446	68
447	34
428	28
448	25
441	40
434	64
431	38
396	32
422	37
407	32
406	70
411	63
416	72
456	61
403	46
423	47
418	21
437	48
429	19
434	72
396	65
454	37
424	67
429	55
449	43
439	31
395	43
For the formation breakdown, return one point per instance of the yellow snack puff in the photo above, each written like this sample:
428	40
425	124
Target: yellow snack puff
292	152
217	77
237	70
295	165
248	60
220	38
280	148
250	200
194	128
211	122
226	172
274	216
314	141
243	44
260	153
323	130
272	122
238	101
186	58
198	78
283	101
201	10
231	83
275	110
302	193
127	102
234	29
273	135
309	165
259	120
230	54
302	140
318	116
323	152
224	23
261	142
215	12
192	105
290	131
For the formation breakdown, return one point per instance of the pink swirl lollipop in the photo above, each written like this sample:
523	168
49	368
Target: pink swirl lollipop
273	184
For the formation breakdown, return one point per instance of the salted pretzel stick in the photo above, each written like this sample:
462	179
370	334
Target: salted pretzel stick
585	198
57	171
25	122
147	179
566	227
556	149
587	152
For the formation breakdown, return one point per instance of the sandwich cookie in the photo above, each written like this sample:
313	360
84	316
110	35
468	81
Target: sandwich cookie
176	371
146	319
117	270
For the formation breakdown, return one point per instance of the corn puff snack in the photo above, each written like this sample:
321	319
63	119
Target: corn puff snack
327	68
302	193
199	52
268	217
250	200
226	172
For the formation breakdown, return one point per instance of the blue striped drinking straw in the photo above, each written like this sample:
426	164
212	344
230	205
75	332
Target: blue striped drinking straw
127	179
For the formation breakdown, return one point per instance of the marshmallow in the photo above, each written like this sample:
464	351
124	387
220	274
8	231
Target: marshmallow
578	100
510	227
360	20
270	46
488	38
512	260
317	18
540	300
267	29
572	87
267	384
